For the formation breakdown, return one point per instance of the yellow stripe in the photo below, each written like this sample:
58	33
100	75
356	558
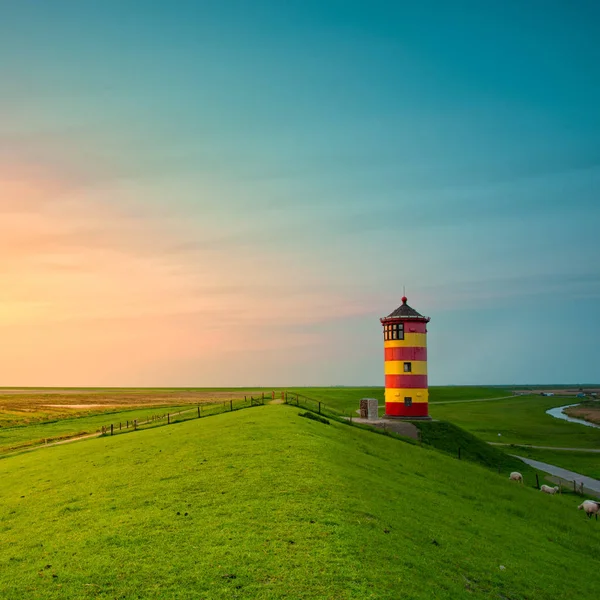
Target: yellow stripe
396	367
414	340
398	395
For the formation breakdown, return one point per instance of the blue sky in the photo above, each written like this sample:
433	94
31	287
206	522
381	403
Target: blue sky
232	193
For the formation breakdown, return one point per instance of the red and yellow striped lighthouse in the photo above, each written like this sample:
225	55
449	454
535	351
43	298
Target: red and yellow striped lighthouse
405	347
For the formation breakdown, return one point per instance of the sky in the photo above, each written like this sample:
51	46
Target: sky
232	193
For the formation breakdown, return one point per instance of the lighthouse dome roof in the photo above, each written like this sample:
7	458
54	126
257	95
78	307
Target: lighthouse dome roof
404	311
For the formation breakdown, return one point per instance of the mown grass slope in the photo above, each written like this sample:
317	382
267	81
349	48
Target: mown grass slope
456	442
262	503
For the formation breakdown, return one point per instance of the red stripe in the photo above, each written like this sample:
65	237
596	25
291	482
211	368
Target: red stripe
409	326
406	353
399	409
406	381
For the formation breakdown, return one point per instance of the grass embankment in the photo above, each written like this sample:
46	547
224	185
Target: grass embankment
451	439
265	504
519	420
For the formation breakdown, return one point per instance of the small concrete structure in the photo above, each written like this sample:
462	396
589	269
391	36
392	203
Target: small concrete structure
369	409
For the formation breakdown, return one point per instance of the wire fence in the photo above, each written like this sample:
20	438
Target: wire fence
168	418
318	406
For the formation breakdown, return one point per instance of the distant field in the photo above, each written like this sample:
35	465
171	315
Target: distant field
22	406
519	420
262	504
31	417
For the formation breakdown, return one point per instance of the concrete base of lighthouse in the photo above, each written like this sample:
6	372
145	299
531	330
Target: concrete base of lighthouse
407	418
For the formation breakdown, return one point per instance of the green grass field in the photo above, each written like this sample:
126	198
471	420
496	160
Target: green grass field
261	503
347	400
519	420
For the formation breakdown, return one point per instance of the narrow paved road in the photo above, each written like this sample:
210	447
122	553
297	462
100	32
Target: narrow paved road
473	400
596	450
591	485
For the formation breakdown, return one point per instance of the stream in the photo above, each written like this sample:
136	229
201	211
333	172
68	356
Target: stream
559	414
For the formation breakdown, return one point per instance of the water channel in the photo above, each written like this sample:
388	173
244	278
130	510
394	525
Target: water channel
559	414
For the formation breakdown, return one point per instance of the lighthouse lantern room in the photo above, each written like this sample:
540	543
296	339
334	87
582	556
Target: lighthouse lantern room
405	360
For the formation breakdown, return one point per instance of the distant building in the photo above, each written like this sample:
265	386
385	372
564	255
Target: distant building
405	363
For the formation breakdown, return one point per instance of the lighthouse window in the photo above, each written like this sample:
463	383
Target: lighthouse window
407	367
394	331
407	401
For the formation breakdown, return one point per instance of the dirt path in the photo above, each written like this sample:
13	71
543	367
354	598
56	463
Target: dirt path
400	427
592	486
596	450
59	443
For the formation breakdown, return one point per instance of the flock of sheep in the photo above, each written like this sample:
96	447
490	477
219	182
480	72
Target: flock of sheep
591	507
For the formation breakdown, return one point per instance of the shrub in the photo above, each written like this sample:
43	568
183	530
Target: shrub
314	417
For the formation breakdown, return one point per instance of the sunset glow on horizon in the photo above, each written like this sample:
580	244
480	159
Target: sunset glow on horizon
213	196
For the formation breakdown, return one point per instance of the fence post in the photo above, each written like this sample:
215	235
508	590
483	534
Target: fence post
198	411
231	405
135	424
319	408
168	419
127	424
273	395
119	426
111	429
537	481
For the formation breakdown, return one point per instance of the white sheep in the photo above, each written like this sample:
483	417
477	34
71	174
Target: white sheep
549	490
516	476
591	508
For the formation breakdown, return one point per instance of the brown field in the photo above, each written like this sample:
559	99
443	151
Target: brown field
560	391
589	411
22	406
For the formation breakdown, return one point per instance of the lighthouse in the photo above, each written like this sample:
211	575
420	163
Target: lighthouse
405	361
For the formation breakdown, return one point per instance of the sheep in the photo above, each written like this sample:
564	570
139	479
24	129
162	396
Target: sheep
591	508
516	476
549	490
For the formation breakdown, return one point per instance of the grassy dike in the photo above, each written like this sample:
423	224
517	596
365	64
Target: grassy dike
262	503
